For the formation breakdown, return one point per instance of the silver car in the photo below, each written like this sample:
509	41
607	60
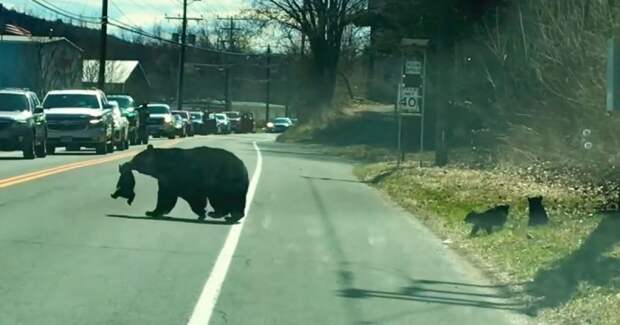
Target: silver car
22	123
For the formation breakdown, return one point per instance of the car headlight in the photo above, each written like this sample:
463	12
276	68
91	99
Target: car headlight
95	121
269	125
167	119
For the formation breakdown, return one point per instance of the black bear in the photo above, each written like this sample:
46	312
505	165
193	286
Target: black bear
125	185
196	175
537	213
495	217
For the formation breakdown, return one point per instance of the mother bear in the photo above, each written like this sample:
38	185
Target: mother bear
195	175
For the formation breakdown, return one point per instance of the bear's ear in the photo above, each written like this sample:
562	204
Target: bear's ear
149	147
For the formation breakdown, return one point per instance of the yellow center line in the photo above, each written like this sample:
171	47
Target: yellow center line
11	181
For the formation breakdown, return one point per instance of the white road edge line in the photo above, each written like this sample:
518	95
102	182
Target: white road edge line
208	298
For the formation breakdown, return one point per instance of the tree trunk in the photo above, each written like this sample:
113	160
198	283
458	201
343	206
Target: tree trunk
325	72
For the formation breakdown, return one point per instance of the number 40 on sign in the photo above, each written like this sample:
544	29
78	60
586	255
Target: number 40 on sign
409	100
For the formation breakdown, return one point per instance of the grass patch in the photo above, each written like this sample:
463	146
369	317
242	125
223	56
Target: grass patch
569	270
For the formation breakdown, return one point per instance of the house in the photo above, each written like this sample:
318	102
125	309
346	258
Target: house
39	63
121	77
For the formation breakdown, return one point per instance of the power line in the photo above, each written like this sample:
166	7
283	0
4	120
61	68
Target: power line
125	27
63	13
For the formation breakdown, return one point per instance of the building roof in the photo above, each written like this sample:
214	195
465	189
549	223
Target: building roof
117	72
36	39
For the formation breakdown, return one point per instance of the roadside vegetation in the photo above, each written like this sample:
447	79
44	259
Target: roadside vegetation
565	272
519	89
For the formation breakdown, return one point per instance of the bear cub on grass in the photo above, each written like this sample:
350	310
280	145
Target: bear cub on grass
537	213
495	217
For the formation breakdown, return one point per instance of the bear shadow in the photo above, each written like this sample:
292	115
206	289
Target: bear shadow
173	219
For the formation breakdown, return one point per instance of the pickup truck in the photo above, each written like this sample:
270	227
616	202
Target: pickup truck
79	118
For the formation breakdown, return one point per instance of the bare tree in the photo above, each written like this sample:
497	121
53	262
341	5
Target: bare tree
323	22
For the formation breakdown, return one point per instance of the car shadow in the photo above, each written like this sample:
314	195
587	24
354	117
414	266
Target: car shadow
13	158
172	219
76	153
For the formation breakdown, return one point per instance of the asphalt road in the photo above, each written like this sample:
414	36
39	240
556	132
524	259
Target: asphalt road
317	247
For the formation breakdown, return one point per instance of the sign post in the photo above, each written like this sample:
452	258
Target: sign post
412	87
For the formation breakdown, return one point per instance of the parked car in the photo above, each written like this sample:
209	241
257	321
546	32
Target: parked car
79	118
210	123
279	124
121	127
180	128
235	120
161	121
222	124
198	122
130	112
23	126
248	124
187	119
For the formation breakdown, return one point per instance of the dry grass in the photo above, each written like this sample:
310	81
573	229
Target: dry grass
584	283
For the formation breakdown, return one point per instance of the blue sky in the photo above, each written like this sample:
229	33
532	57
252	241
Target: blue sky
143	13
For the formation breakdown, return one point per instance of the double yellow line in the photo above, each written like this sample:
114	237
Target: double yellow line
11	181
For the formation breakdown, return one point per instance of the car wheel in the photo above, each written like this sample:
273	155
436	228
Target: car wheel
171	136
145	140
28	148
41	149
51	150
133	138
110	147
101	148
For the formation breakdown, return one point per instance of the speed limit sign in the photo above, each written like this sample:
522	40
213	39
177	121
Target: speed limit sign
409	100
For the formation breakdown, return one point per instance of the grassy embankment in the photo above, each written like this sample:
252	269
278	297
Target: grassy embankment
568	271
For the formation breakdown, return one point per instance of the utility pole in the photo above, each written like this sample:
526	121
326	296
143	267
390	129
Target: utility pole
181	68
231	39
104	45
182	58
268	97
445	45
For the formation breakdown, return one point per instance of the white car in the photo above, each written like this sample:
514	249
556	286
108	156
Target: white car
79	118
121	127
222	123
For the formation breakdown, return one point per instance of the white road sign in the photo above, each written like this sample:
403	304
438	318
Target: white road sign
409	100
413	67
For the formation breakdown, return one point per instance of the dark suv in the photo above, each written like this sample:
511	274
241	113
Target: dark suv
128	107
22	123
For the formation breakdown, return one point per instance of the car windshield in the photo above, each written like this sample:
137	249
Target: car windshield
123	102
233	115
158	109
282	121
220	116
183	115
71	101
13	102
